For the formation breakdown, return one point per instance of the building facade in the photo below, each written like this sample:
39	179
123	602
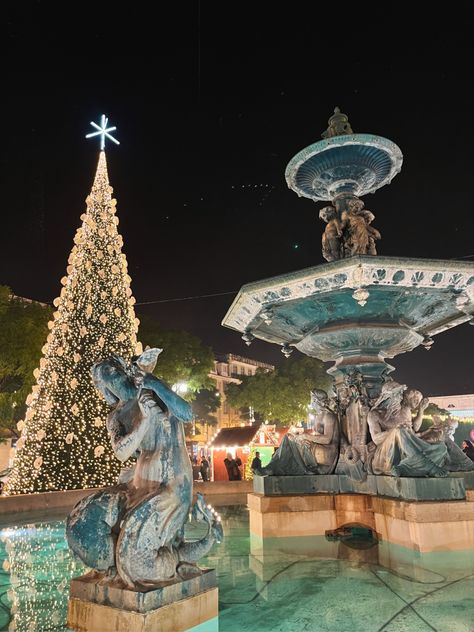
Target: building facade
460	406
229	369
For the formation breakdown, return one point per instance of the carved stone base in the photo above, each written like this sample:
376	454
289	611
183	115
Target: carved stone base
450	488
299	519
174	606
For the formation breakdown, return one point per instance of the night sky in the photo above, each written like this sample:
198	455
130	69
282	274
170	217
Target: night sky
211	101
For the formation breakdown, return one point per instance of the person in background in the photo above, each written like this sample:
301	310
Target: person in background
232	467
238	472
256	465
468	449
204	469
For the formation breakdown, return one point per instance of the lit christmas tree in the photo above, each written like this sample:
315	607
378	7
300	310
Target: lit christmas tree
64	442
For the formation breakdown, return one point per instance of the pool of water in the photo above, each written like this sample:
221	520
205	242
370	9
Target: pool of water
287	585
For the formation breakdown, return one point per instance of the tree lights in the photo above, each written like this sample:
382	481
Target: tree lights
63	442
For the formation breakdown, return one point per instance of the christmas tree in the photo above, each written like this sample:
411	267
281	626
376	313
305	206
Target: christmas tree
64	442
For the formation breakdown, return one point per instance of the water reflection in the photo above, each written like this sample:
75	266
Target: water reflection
276	584
312	583
36	570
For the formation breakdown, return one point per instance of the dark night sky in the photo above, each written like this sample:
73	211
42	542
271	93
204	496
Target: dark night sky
211	103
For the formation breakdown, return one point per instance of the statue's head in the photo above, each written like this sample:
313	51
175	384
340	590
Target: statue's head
355	205
319	397
117	380
390	395
112	377
412	398
327	213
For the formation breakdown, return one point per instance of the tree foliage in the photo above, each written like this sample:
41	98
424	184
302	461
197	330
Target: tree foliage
184	357
432	409
281	396
23	331
206	403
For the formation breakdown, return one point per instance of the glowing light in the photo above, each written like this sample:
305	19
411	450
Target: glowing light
103	132
64	442
180	387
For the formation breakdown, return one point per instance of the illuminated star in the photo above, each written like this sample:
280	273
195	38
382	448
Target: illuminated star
103	131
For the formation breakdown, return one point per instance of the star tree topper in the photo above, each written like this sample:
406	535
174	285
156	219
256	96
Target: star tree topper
103	131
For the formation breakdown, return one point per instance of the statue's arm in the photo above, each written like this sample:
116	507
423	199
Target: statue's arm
324	438
418	420
338	226
125	445
378	435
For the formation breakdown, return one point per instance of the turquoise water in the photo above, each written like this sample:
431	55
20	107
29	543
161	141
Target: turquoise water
287	585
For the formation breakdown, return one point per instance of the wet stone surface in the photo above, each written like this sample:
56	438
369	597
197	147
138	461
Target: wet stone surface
330	587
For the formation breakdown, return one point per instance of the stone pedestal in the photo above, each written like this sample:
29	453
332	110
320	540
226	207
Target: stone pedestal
171	607
450	488
300	522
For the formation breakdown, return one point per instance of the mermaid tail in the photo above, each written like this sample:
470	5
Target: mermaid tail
191	552
89	528
151	547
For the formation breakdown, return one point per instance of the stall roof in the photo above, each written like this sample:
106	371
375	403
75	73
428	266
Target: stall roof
238	436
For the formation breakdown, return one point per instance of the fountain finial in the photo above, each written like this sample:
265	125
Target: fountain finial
338	125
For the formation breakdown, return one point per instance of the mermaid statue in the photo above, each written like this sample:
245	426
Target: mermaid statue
132	534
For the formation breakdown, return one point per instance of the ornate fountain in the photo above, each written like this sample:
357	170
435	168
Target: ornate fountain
356	311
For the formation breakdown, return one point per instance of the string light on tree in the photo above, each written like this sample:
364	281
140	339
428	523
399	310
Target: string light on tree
63	442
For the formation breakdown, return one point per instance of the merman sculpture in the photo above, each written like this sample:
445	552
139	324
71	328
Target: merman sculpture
356	436
314	452
397	449
133	533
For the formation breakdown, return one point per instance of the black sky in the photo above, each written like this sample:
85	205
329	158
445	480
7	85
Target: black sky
211	101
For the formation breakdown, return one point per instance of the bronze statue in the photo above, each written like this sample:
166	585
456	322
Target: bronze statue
338	125
442	430
314	452
354	404
133	533
348	231
396	449
332	236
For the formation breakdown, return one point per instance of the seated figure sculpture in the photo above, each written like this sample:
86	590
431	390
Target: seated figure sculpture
396	449
133	533
443	430
312	452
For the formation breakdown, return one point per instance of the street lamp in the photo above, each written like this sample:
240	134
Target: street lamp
180	388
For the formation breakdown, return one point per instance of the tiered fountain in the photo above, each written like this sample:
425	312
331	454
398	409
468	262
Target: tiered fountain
356	311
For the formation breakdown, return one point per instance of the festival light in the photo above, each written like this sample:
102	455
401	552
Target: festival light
64	442
103	132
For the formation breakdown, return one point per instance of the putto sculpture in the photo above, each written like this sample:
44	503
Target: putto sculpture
133	533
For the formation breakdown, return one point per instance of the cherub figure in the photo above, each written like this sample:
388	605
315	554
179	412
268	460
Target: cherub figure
332	236
359	235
